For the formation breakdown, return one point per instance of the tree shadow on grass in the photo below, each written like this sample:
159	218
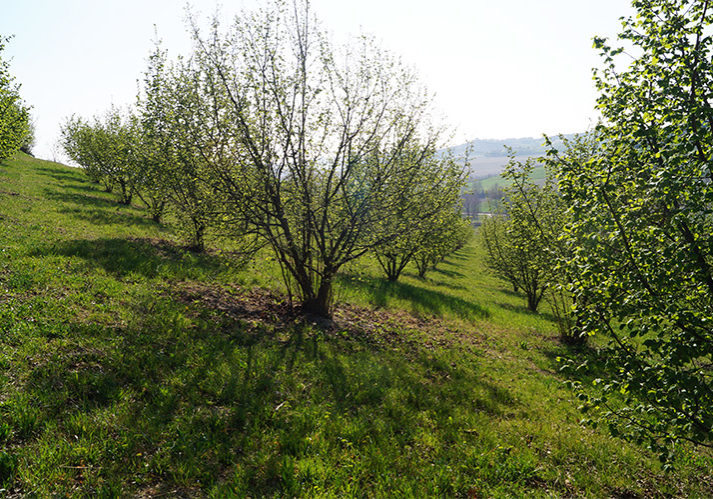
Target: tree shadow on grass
100	216
522	309
423	382
423	300
458	256
98	210
86	187
447	273
81	199
61	174
434	282
441	284
195	399
76	181
75	189
591	359
511	292
149	258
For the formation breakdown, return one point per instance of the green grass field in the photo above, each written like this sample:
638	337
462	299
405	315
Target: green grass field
538	176
130	367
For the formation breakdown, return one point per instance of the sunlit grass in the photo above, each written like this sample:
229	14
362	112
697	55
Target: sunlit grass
117	381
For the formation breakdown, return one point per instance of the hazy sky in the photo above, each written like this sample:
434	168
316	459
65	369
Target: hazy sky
499	68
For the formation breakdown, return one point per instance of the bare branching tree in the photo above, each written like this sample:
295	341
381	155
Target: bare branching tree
309	140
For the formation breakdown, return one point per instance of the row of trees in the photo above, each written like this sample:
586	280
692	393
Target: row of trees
642	223
626	233
523	238
268	133
519	236
426	236
16	130
107	151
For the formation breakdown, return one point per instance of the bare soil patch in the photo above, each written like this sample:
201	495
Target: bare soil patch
379	328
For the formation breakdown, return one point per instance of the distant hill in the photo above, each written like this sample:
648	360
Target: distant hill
523	146
489	156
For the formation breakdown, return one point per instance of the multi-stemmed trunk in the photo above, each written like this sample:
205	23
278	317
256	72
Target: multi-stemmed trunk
317	300
155	204
423	263
393	264
126	192
197	243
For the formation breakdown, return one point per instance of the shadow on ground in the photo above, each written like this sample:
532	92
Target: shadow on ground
522	309
97	210
447	273
380	291
61	174
190	401
581	363
105	216
81	198
151	258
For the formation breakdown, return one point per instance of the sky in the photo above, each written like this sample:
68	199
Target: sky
498	69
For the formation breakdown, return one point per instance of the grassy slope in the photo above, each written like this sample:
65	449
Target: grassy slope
125	369
538	175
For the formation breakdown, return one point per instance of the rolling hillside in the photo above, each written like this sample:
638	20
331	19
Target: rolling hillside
489	156
132	367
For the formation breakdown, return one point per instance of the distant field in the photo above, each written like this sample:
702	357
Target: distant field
538	175
483	167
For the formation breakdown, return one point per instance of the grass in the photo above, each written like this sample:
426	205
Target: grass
130	366
487	183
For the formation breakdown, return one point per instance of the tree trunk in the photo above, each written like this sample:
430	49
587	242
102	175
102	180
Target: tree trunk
422	267
125	193
532	301
390	265
197	246
392	270
321	303
158	212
